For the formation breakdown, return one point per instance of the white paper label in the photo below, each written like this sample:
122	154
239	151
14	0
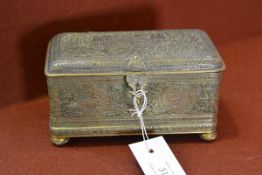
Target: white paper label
159	161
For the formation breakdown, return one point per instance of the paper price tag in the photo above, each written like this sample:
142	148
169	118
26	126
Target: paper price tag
159	161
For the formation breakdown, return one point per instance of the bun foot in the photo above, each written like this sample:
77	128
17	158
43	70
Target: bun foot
58	141
209	136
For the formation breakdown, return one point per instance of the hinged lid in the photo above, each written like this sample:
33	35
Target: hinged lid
103	53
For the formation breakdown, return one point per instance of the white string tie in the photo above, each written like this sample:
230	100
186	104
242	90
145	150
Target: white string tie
139	109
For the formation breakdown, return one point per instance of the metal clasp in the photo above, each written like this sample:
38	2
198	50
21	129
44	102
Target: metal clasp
136	82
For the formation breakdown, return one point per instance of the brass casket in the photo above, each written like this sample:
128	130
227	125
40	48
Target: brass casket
90	76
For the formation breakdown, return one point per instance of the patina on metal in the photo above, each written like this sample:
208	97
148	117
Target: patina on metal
90	77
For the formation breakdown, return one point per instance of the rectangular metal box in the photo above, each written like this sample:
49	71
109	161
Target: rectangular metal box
90	76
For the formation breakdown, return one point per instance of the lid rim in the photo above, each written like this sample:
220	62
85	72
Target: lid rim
48	74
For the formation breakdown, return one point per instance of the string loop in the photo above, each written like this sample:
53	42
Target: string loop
140	96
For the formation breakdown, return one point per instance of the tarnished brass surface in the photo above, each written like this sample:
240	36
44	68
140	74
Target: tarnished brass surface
90	76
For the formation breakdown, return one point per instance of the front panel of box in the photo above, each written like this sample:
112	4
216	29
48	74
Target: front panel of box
99	105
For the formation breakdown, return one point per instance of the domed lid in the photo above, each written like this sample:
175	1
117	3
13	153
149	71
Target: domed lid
116	53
